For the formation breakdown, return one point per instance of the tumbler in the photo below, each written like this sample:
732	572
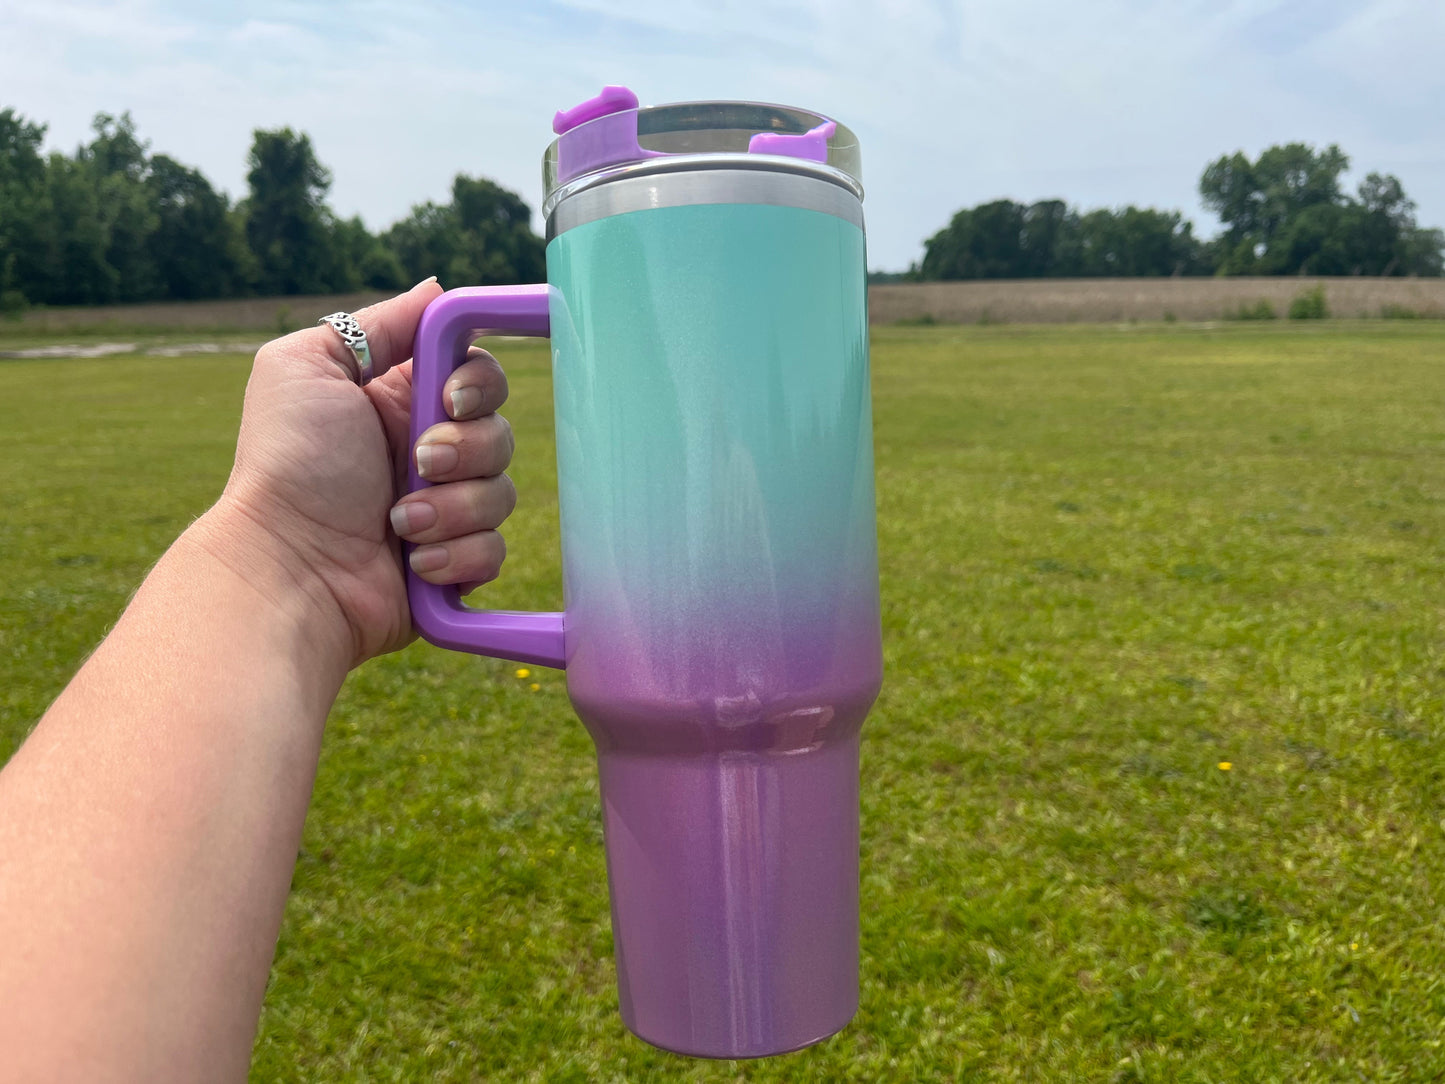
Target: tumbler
706	305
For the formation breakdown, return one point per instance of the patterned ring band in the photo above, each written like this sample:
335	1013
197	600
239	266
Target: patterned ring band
355	339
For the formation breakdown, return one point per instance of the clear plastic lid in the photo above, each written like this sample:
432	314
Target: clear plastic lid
611	131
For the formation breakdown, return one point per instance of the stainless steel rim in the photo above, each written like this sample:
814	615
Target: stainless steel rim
684	179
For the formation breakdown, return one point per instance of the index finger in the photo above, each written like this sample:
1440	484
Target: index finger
389	327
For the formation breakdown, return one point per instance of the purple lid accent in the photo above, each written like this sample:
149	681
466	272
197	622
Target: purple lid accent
812	145
602	131
613	99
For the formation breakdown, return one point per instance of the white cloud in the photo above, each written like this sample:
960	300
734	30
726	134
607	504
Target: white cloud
1103	103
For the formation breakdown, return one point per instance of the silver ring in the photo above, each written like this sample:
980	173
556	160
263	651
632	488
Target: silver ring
351	334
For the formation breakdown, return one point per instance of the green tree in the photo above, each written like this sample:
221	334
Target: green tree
118	166
983	242
1293	178
287	223
347	245
90	225
1321	240
198	246
362	259
1048	240
1004	239
1424	253
112	223
994	241
1392	241
22	193
381	268
483	237
1229	189
72	227
1285	214
1138	242
1257	201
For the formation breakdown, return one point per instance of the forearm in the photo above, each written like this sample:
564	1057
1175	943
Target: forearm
149	827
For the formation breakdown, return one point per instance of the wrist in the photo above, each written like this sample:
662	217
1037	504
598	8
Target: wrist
237	544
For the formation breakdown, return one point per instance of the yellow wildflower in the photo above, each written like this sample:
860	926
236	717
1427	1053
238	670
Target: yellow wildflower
1225	765
524	673
534	686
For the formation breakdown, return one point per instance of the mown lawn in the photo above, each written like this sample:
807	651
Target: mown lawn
1153	792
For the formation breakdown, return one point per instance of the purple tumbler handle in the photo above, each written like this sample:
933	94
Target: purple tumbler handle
446	330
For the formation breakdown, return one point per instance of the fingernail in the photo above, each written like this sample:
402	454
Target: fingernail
412	516
423	282
434	459
428	559
465	401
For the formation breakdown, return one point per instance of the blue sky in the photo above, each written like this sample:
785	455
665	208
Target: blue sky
1100	102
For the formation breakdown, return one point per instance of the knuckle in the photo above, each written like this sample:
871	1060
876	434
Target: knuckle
509	439
266	356
490	553
494	444
483	502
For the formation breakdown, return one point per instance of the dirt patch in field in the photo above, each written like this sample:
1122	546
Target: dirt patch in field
105	350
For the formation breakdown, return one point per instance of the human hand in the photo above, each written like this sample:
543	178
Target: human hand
320	462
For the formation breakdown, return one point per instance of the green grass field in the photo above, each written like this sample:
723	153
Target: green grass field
1154	790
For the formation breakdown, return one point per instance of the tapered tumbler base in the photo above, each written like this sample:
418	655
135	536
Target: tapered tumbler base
734	885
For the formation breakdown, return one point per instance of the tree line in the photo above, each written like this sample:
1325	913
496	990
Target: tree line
1284	213
114	223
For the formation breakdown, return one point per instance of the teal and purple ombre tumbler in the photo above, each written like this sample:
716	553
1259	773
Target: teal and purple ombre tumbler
707	310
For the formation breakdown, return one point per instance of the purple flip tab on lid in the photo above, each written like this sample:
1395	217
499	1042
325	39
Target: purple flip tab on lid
602	131
613	99
812	145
